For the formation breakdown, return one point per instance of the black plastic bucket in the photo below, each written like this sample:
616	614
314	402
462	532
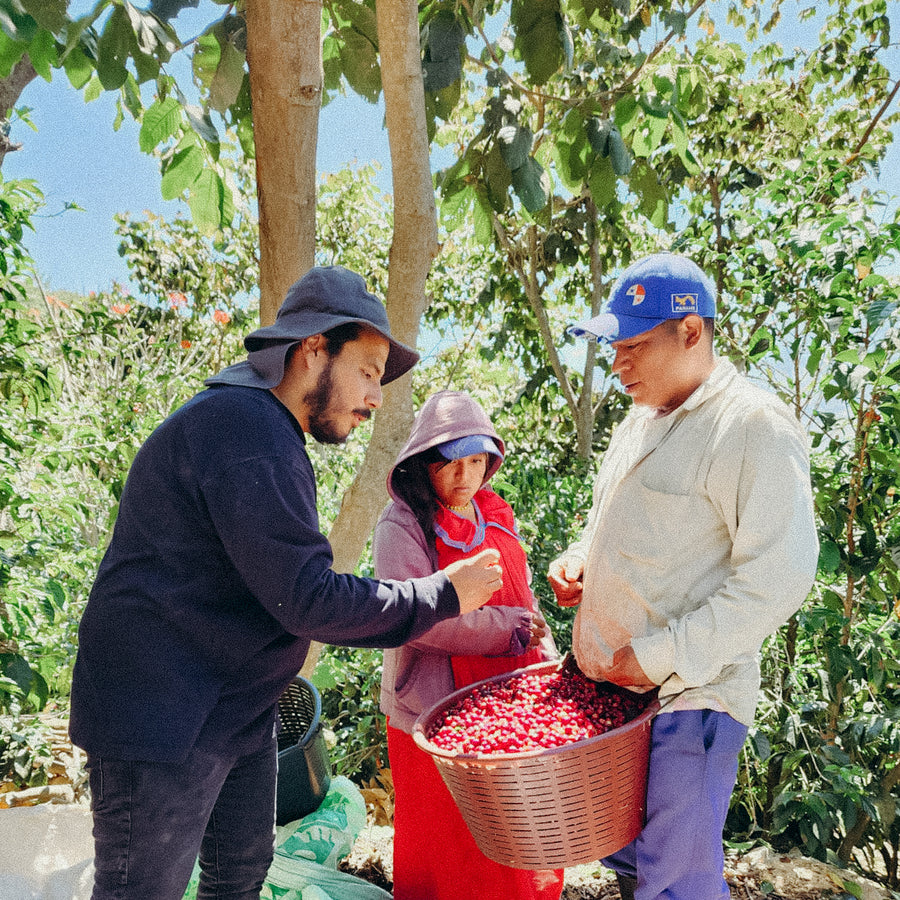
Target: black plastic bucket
304	769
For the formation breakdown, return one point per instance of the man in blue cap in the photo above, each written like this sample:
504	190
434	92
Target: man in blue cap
215	581
700	543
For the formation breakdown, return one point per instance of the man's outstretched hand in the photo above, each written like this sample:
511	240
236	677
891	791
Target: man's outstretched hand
476	578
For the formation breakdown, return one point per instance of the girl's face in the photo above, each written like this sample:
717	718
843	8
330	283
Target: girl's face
456	482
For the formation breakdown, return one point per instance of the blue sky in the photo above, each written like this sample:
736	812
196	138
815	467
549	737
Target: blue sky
76	157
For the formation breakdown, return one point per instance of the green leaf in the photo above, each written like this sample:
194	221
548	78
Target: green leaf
627	115
455	205
654	202
181	172
655	124
113	50
10	53
515	145
570	162
207	54
78	68
131	96
161	122
541	50
598	135
228	80
169	9
497	178
42	52
205	201
829	557
483	220
202	124
245	137
49	14
602	182
360	64
538	37
680	140
93	90
16	23
532	185
879	311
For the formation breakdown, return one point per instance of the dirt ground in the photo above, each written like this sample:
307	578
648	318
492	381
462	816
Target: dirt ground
757	875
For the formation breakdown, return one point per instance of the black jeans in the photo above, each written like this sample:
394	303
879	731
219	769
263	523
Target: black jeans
152	820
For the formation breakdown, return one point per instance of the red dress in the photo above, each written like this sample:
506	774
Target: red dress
435	856
494	527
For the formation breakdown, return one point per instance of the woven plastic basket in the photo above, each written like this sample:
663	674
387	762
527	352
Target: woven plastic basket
548	809
304	769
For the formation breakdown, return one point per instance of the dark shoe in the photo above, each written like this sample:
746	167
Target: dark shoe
626	886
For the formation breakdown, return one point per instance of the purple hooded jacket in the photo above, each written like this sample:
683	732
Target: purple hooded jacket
418	674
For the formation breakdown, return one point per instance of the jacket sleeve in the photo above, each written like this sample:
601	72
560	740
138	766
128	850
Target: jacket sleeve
399	551
273	540
762	490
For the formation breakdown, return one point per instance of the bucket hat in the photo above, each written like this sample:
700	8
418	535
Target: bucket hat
324	298
652	290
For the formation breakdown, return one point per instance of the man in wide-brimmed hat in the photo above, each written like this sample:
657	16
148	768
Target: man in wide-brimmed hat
215	581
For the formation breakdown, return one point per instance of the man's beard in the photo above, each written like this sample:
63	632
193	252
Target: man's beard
320	422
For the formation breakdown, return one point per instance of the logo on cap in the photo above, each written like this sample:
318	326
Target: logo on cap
637	293
685	303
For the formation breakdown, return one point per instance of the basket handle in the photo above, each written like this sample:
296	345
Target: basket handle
666	700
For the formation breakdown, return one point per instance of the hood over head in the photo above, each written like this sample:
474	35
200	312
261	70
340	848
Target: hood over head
447	416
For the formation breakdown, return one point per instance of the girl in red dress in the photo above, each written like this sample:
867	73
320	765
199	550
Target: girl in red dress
442	509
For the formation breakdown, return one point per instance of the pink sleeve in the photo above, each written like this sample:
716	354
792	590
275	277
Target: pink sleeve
400	553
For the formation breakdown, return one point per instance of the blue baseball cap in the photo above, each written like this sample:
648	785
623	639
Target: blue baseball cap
469	446
650	291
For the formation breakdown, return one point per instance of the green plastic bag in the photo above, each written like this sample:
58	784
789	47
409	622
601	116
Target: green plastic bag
307	852
296	879
326	835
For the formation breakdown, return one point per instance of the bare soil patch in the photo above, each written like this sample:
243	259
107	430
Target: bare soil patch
757	875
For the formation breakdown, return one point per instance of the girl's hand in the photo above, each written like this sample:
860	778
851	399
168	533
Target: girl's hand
538	630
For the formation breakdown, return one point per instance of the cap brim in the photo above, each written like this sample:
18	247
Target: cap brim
263	368
400	360
611	328
469	445
604	327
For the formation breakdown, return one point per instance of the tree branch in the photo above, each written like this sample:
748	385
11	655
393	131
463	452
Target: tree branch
871	127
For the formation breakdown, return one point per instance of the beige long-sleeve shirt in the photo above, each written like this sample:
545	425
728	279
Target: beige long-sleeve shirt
701	542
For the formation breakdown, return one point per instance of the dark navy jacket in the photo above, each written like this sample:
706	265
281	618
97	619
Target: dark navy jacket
216	579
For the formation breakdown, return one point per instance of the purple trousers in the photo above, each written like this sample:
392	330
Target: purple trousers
153	820
693	765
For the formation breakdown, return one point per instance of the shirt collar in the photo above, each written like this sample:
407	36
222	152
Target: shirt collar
722	374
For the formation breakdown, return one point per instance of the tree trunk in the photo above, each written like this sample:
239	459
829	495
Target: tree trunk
284	53
414	246
11	87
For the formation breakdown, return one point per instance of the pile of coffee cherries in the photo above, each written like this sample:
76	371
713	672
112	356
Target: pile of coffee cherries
533	711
